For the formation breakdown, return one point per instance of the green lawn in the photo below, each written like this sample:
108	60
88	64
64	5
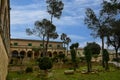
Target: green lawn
58	74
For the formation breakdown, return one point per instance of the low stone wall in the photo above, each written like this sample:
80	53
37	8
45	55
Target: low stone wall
3	61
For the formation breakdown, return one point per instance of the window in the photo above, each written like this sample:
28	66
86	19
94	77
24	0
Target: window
29	44
10	43
15	44
50	45
41	45
58	46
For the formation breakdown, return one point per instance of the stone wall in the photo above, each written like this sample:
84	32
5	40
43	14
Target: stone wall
3	61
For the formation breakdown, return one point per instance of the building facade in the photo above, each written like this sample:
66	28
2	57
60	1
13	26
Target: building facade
97	58
32	49
80	52
4	37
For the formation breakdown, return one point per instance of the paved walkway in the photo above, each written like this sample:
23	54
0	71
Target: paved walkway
115	63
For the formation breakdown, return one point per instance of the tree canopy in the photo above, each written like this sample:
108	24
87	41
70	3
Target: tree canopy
45	63
43	29
89	50
54	8
111	9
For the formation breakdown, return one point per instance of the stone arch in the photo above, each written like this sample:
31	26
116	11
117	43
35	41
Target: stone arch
22	54
60	52
36	54
29	54
41	54
15	53
54	53
49	54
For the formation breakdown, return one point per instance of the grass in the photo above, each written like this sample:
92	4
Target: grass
15	75
58	74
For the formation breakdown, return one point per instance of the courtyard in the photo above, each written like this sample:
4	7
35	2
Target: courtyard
58	73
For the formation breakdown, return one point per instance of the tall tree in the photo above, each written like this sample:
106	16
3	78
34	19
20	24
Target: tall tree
55	8
112	10
43	29
106	59
73	55
63	38
88	57
54	35
114	38
68	40
76	45
97	23
89	50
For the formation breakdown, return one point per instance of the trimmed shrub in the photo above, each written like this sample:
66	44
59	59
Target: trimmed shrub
116	59
29	70
45	63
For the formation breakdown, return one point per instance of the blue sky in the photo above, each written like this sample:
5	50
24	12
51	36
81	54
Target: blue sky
25	12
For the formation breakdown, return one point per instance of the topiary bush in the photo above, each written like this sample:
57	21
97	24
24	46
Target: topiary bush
55	59
45	63
29	70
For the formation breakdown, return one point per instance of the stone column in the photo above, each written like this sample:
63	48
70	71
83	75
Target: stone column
39	54
25	54
33	56
18	52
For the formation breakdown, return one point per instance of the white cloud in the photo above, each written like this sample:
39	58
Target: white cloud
23	35
72	16
82	44
27	16
68	21
76	37
28	7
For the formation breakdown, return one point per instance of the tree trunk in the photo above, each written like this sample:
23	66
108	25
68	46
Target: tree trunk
64	47
51	18
47	44
76	51
88	66
103	62
67	49
106	65
45	73
74	65
116	53
44	54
